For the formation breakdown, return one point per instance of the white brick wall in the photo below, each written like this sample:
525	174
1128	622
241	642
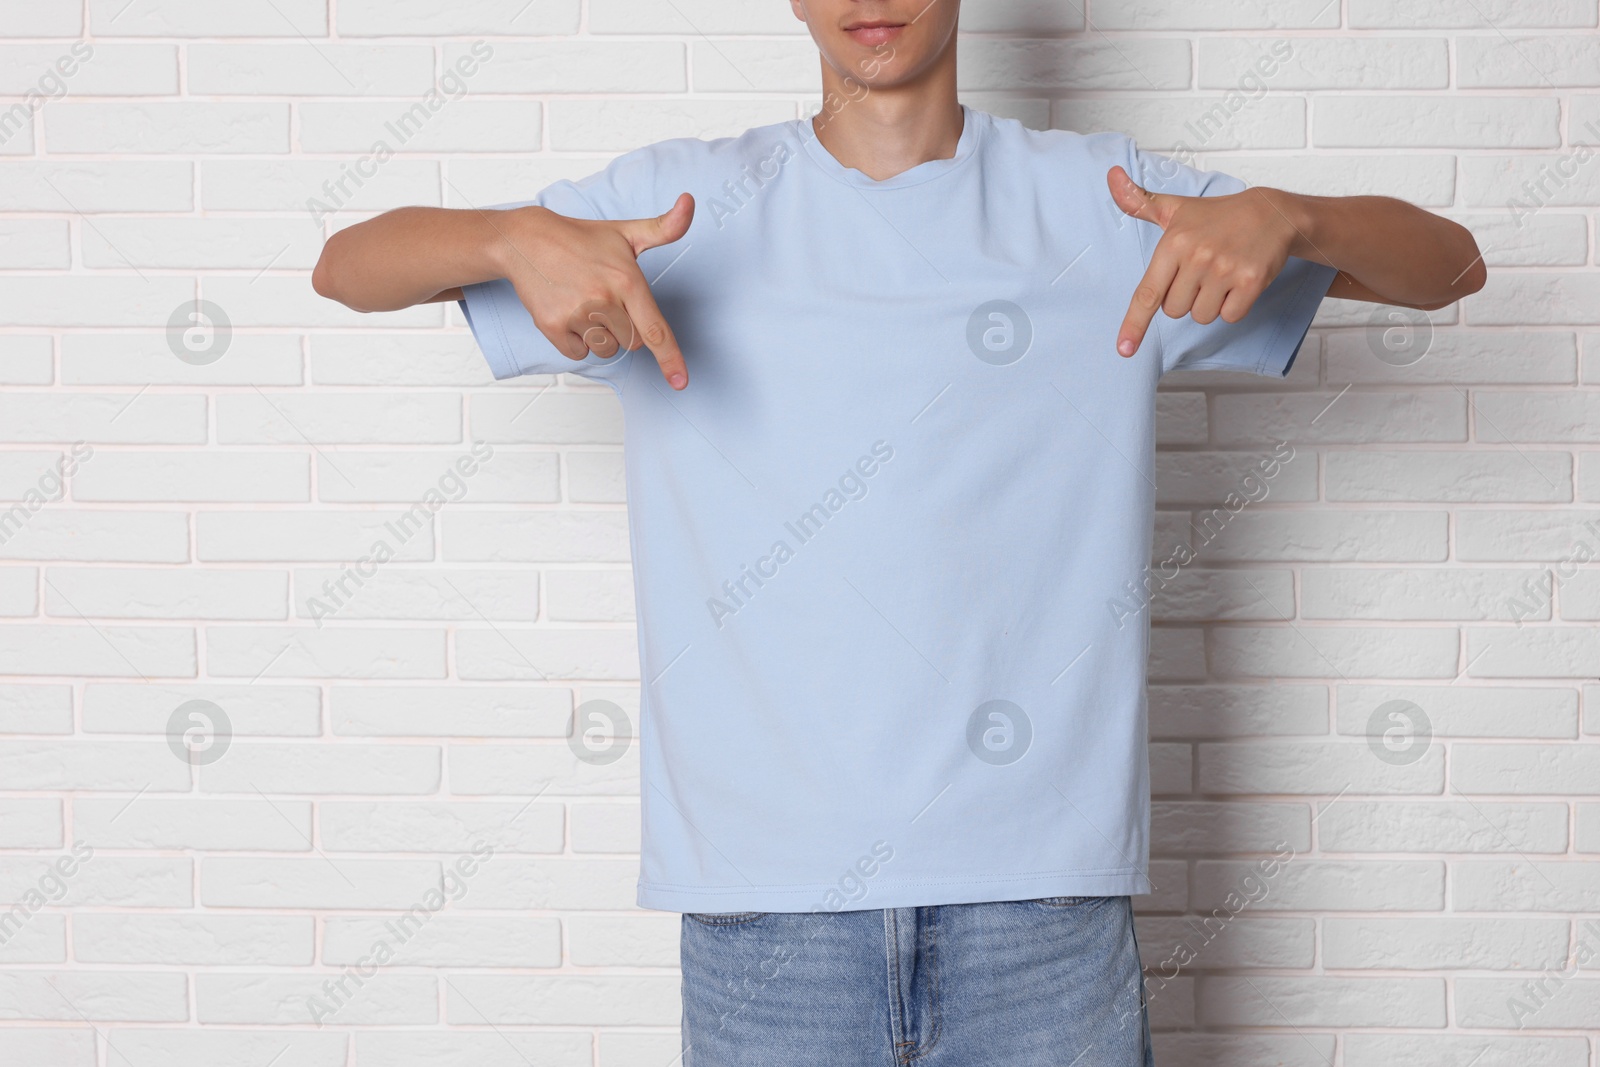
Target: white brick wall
1406	552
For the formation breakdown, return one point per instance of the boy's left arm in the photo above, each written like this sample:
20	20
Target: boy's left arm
1218	253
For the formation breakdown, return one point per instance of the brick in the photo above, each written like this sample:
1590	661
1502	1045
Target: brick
508	770
99	651
111	418
601	125
1212	15
1520	885
1467	711
1245	1050
418	594
365	418
35	709
1448	1050
1206	478
178	127
577	536
1323	651
1535	299
385	18
89	996
448	941
133	593
465	1048
26	360
322	883
691	17
413	126
1329	63
361	826
505	477
117	185
1422	594
1521	188
394	359
599	478
30	822
285	999
1425	180
1477	356
200	940
202	476
756	65
200	243
451	711
19	592
56	1046
1177	654
1505	1003
1470	477
1204	711
587	1000
146	359
229	536
1216	941
1203	122
1254	419
605	827
589	66
1359	121
1587	837
1470	14
623	940
1537	417
302	185
1397	826
589	595
323	768
257	709
1182	827
336	652
506	654
1269	1000
1313	767
548	417
1444	944
110	536
210	824
1543	652
1526	769
1062	65
39	244
158	1047
309	68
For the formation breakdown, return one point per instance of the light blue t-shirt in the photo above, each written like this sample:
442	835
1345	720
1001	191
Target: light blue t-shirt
883	542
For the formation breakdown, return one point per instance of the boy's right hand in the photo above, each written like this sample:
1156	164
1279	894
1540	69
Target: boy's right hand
581	282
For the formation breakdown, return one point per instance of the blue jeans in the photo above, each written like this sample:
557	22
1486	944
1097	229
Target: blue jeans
1034	983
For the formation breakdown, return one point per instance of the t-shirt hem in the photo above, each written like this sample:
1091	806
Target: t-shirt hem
878	894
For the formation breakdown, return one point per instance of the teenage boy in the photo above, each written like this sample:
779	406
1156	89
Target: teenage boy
889	498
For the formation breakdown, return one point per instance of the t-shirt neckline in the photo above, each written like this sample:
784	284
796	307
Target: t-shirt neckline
966	147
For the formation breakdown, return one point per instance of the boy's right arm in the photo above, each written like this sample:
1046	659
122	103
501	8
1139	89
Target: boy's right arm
579	280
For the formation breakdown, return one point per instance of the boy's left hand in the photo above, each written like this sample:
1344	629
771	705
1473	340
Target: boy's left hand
1217	254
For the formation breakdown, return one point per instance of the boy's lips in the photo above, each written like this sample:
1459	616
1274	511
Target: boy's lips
873	35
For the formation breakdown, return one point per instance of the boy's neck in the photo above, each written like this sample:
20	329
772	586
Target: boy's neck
882	132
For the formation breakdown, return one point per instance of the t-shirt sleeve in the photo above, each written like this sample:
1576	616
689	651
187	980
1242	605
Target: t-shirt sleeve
1266	340
502	326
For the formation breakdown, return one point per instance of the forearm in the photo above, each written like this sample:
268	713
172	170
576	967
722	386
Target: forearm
1387	247
409	255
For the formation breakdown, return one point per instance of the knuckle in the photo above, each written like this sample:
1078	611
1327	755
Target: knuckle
1147	296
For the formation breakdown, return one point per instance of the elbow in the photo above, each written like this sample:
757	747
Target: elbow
322	275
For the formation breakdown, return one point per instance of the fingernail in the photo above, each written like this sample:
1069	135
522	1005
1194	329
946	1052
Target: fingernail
678	381
1125	346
